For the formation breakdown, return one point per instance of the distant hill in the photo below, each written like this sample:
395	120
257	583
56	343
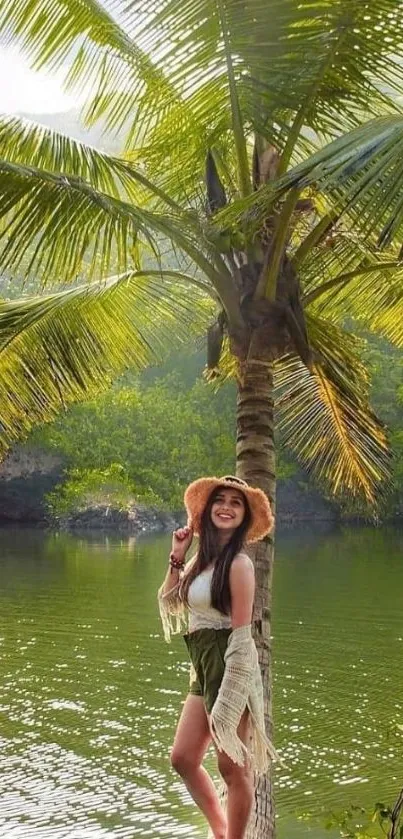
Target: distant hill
69	123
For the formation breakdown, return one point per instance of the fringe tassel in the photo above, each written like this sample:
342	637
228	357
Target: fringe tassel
172	612
263	751
261	755
228	741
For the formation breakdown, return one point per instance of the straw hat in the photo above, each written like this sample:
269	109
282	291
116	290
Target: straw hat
198	493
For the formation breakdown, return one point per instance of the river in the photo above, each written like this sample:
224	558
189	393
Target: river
90	692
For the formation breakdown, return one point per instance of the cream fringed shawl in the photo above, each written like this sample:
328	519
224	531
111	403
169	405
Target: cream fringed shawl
172	611
240	688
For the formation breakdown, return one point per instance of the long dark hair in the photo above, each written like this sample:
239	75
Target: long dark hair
220	590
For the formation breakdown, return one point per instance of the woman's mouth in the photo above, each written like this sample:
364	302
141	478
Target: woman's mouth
224	516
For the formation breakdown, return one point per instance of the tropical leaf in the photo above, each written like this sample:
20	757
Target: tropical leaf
30	144
295	66
324	415
53	224
87	37
60	348
325	418
346	276
59	225
340	252
282	51
371	293
161	71
361	173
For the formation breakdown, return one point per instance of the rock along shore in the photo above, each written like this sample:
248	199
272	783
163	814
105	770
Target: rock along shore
133	521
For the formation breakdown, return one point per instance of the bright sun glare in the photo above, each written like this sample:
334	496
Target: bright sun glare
29	91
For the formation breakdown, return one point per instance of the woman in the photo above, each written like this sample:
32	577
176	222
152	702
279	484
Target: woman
215	591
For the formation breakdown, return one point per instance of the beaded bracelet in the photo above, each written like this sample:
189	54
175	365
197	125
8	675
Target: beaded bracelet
176	563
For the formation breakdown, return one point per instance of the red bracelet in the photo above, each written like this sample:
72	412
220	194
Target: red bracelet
176	563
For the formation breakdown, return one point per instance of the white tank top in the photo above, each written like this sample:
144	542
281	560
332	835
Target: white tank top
202	615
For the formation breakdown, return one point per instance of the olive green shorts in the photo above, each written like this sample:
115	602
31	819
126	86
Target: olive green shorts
206	649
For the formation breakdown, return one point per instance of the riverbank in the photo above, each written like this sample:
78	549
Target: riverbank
28	475
135	520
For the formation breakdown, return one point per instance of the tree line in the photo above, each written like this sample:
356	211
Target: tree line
150	435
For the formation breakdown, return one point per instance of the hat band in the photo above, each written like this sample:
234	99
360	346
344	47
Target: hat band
234	480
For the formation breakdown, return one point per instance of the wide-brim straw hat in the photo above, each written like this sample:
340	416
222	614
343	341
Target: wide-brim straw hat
198	494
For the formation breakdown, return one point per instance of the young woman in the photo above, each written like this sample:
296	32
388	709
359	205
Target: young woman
214	591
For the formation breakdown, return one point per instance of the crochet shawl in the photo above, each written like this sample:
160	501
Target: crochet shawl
240	688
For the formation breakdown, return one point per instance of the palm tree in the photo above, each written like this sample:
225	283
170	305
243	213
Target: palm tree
264	146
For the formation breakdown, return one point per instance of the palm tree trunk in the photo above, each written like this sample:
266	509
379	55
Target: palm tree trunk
256	464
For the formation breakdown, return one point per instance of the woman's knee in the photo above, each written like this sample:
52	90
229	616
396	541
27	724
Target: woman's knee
232	773
183	763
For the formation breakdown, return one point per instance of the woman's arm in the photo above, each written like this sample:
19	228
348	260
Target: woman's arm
171	580
181	541
242	588
171	608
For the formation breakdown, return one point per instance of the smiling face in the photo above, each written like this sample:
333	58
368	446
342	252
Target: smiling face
227	510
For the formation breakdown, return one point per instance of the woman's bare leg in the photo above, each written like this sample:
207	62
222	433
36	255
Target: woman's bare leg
190	745
239	782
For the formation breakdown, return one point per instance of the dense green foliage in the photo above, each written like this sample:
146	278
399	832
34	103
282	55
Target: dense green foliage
160	436
86	488
151	435
145	439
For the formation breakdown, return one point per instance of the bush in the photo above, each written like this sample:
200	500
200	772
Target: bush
85	488
146	442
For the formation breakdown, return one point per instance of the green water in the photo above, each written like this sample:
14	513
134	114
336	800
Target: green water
90	692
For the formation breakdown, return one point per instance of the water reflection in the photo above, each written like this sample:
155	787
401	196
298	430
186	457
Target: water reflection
338	627
90	692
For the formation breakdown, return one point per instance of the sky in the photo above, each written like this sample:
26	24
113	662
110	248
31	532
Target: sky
25	90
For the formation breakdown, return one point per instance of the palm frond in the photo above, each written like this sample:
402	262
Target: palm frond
346	276
361	174
297	67
59	225
49	32
283	51
325	418
333	263
371	293
31	144
63	347
86	36
160	70
51	225
174	150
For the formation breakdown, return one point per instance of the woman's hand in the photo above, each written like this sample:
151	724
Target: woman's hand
181	541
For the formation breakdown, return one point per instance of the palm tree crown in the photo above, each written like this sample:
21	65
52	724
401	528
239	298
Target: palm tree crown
290	111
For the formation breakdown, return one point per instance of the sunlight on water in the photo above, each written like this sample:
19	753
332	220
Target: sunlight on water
91	693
